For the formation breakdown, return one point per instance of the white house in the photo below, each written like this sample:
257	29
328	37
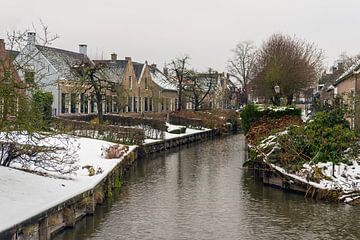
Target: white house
49	67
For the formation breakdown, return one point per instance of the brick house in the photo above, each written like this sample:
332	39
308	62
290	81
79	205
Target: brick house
348	86
8	78
141	87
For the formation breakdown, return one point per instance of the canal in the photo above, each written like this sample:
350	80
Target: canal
202	192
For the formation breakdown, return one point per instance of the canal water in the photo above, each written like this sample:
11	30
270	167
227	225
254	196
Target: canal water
202	192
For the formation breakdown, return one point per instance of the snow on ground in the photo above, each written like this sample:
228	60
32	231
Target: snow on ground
23	195
171	127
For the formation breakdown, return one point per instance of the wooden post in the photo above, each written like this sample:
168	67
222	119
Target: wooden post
44	232
91	205
69	216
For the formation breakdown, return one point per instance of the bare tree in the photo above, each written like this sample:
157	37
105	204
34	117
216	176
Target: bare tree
178	70
242	64
290	63
121	97
201	85
94	79
23	141
347	61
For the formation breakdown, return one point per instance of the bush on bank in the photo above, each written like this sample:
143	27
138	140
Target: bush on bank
252	113
326	138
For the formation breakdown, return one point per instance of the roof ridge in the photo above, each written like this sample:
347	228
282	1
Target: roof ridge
60	49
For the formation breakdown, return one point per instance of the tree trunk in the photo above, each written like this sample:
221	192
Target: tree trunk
246	97
197	104
180	107
289	99
99	108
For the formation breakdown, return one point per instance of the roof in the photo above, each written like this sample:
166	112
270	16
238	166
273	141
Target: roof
161	80
138	68
114	70
348	73
63	60
235	81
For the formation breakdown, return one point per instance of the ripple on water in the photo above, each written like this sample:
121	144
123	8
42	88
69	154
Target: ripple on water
202	192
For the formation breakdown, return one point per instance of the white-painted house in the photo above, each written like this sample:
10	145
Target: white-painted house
49	68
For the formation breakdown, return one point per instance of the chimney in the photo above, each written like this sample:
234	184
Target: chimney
153	65
128	58
340	67
31	37
2	47
113	57
333	69
83	49
166	71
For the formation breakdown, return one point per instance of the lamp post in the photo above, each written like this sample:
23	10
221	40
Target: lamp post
277	95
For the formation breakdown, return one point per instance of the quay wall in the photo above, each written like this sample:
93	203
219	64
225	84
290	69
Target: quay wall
66	214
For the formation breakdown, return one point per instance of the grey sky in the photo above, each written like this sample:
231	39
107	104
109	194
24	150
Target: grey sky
159	30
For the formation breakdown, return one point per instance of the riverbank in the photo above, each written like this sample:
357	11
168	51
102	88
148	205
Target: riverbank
318	158
38	207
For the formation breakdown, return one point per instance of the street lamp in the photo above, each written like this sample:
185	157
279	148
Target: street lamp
277	89
277	95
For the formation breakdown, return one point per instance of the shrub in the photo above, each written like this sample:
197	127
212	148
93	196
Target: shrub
252	113
327	138
42	102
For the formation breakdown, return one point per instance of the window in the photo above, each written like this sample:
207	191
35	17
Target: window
86	107
73	103
130	83
150	104
146	103
146	83
135	104
140	104
63	103
29	77
82	102
129	103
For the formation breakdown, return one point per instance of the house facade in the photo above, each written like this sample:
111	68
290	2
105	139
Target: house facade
140	87
348	87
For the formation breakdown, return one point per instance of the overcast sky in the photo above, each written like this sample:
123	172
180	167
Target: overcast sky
159	30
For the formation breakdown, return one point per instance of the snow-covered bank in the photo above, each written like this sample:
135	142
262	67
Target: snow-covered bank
341	177
24	195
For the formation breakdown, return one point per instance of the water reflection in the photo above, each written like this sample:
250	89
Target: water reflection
202	192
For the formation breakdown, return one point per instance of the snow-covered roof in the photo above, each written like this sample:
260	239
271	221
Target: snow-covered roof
349	72
161	80
113	70
63	60
235	81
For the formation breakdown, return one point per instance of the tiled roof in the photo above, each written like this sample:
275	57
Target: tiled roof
161	80
63	60
114	70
